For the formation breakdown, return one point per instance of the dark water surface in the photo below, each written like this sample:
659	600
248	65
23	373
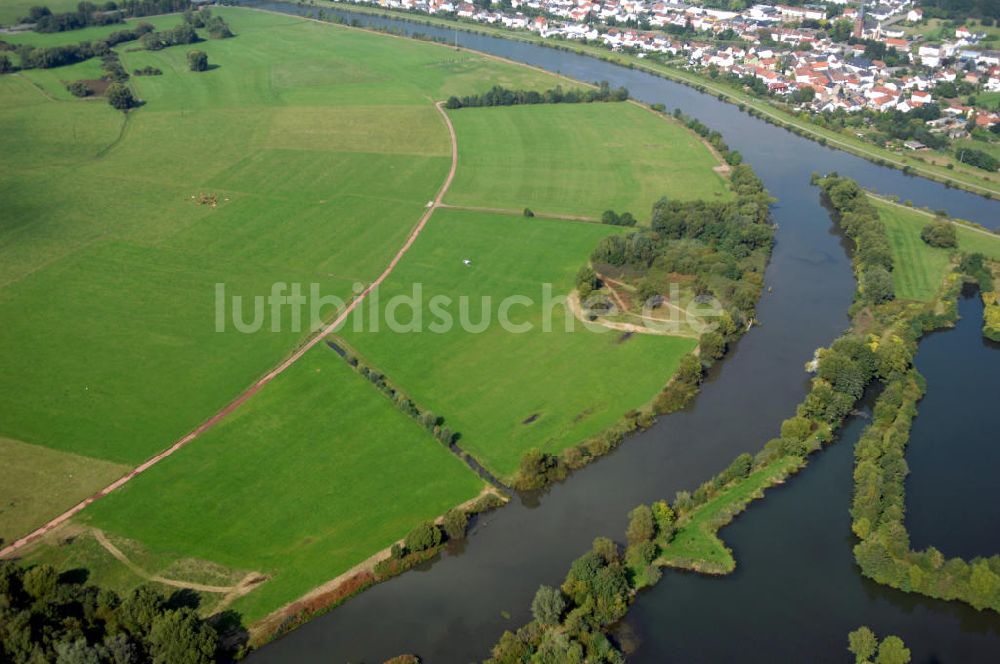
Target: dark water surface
954	506
805	593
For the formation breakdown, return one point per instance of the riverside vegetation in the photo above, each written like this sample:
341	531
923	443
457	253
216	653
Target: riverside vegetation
880	345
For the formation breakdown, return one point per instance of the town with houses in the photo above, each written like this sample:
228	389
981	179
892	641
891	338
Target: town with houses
787	48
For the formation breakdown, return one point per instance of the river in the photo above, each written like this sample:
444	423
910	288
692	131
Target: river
456	608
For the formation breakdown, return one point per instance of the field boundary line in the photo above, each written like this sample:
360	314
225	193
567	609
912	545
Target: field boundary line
269	376
518	213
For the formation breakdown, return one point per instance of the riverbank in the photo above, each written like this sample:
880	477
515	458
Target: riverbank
879	346
961	177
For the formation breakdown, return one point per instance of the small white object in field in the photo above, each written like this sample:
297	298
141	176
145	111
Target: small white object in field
467	261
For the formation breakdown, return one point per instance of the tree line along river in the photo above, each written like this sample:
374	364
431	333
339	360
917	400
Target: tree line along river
796	591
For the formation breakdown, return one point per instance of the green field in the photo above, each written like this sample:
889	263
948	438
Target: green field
488	384
578	159
319	147
67	479
100	232
919	268
312	476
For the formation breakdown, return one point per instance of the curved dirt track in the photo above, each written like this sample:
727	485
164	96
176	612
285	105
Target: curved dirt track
271	375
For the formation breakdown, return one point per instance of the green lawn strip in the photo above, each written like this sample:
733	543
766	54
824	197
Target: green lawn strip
313	475
67	479
696	544
578	159
967	176
507	392
920	268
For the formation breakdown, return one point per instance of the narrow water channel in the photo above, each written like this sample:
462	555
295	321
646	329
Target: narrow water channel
457	607
948	506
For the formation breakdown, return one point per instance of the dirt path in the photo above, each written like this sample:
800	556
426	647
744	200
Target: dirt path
103	540
574	304
271	375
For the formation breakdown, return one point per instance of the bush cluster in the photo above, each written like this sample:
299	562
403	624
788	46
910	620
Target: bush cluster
940	233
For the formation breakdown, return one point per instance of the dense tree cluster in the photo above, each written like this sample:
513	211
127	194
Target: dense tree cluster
59	56
961	9
501	96
865	646
112	67
860	221
86	15
940	233
46	618
182	34
569	620
148	71
120	96
723	245
978	270
978	158
197	61
216	26
612	218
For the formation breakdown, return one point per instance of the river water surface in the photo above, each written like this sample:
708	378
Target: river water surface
796	592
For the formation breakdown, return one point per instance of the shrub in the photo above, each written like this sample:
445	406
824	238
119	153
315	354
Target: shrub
423	537
79	89
120	96
455	523
940	234
197	60
548	605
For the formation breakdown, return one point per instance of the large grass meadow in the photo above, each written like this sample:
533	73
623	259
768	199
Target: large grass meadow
919	267
504	391
319	148
578	159
316	473
322	147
